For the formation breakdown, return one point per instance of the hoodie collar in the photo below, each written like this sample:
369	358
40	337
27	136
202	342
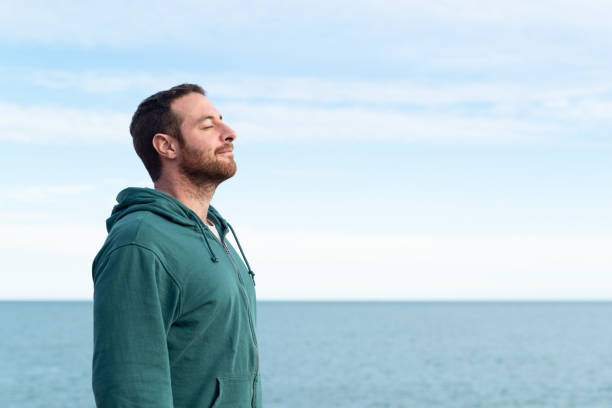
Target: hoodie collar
134	199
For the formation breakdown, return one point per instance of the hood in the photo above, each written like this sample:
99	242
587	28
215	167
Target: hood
134	199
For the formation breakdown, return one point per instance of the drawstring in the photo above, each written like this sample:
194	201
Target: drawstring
242	253
213	257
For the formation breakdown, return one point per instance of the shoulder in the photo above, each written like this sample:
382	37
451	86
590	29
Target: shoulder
144	228
173	244
137	231
123	260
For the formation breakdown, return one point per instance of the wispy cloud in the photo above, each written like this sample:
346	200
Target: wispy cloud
282	122
44	193
96	82
278	123
290	123
55	124
306	108
152	22
541	108
301	108
321	91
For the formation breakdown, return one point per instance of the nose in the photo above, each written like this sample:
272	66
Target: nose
228	133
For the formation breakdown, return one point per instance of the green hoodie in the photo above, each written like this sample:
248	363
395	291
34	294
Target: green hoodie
174	310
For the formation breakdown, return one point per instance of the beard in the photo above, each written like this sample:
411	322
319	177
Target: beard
203	167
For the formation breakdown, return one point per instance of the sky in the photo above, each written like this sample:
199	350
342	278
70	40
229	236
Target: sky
386	150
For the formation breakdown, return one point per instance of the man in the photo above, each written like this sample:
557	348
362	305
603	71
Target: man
174	303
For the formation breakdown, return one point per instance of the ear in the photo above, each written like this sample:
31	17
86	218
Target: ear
165	145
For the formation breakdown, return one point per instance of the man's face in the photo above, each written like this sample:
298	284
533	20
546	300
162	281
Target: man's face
205	152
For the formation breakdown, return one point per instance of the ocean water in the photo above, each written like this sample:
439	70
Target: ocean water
347	355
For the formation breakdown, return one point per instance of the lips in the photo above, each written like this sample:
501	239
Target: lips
229	149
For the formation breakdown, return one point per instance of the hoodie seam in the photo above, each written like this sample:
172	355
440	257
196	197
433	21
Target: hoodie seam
161	262
137	234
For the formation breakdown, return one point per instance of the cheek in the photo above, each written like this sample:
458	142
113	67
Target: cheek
201	151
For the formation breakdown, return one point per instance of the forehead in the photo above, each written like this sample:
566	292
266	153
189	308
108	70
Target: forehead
192	107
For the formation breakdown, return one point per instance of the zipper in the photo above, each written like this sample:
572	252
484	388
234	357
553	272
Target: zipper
248	305
246	298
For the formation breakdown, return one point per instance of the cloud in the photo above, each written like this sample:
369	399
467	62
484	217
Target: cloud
496	100
288	123
565	12
295	109
52	260
48	259
321	91
330	266
58	125
64	238
119	24
44	193
524	41
277	123
47	255
96	82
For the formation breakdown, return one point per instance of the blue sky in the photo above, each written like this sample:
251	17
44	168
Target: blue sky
386	150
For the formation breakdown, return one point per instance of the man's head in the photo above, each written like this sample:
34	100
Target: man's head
181	127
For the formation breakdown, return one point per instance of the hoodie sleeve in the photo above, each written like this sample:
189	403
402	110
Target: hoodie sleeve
135	302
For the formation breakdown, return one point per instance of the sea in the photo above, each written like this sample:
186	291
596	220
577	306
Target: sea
355	354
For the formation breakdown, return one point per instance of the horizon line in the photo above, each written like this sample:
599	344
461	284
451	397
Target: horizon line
362	300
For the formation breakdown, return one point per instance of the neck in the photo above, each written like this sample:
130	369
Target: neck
195	197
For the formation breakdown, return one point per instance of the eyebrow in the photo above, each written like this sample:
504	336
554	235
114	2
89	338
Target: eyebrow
203	118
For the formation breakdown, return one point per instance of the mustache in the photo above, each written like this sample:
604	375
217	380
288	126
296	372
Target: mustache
225	148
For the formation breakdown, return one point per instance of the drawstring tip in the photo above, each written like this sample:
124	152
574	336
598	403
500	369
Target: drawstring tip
214	259
252	276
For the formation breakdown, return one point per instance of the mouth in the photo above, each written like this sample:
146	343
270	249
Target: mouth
227	149
227	152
